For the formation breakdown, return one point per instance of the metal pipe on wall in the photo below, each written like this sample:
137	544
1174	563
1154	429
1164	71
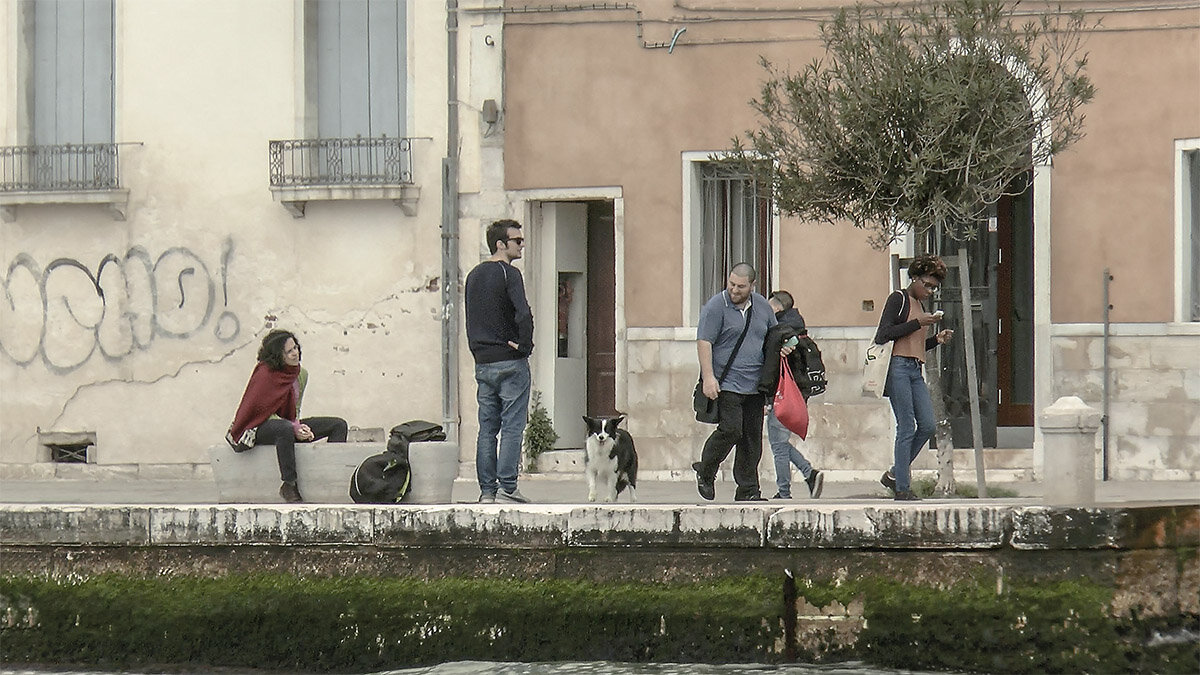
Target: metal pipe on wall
450	268
1104	413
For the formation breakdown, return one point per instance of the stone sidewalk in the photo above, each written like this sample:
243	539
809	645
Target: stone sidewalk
848	488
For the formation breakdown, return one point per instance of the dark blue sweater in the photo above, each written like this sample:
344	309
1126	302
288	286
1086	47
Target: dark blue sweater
497	313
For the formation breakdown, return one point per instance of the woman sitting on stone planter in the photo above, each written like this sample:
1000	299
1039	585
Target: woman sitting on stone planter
270	410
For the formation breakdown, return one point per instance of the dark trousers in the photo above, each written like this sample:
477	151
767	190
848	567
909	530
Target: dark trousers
280	433
740	425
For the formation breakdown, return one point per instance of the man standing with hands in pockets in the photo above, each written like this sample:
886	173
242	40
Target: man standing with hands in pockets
500	335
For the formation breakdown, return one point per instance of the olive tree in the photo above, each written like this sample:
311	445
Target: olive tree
919	118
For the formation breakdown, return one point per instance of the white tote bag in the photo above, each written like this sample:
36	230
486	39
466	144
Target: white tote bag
877	360
875	368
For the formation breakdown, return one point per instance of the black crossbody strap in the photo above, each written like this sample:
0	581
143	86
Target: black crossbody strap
736	347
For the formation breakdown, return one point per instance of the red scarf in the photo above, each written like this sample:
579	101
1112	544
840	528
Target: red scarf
269	392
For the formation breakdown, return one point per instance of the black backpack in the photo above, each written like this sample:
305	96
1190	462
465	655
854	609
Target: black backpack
381	479
385	478
810	373
415	431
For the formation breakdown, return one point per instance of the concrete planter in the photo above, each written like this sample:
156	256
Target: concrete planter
434	468
323	472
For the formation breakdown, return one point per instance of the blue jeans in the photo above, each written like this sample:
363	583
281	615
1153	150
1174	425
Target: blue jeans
503	398
785	454
914	415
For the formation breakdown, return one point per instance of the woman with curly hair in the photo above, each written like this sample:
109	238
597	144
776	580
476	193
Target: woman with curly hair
270	410
904	322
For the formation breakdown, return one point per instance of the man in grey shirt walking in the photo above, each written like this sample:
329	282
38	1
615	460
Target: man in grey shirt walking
739	405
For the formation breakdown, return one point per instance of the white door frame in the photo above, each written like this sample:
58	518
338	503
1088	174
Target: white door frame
537	265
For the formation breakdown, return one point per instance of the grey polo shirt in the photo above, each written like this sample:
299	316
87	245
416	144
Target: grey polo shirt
721	323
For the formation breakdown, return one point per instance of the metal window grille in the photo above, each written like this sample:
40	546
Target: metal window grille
341	162
59	168
73	453
736	228
68	447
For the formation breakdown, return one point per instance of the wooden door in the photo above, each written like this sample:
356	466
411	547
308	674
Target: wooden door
1014	308
601	310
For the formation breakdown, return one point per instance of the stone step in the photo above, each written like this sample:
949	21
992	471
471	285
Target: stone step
571	460
994	458
561	461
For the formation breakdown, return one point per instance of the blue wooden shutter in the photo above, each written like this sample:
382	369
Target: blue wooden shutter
73	72
361	68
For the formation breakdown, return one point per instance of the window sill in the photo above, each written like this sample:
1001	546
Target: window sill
115	201
294	199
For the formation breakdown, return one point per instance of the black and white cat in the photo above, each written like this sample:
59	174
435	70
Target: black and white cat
609	459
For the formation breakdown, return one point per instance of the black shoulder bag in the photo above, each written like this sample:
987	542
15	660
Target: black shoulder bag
705	407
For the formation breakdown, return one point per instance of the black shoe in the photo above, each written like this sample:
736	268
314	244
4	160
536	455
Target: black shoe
780	495
888	481
907	496
290	493
705	487
751	498
816	483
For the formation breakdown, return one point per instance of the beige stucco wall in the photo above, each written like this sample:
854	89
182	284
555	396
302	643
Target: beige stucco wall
1113	193
201	88
588	106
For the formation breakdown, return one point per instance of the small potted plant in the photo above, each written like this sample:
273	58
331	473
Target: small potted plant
539	432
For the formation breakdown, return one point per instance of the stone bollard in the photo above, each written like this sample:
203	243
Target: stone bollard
1069	458
434	467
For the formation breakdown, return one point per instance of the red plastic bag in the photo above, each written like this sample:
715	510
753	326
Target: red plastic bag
790	407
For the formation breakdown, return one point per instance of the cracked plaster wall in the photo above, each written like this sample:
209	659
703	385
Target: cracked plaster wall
145	330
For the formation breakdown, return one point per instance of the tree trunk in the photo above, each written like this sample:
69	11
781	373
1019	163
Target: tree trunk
945	441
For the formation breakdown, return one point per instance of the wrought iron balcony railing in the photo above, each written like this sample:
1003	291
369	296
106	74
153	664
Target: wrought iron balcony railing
59	168
341	162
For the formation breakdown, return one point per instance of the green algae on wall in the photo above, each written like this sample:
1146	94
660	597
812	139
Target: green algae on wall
1059	626
366	623
363	624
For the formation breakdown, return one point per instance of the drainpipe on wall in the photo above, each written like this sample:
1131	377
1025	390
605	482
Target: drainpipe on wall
450	281
1104	418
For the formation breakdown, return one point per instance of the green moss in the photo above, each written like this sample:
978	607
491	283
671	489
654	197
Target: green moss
363	624
1061	626
287	623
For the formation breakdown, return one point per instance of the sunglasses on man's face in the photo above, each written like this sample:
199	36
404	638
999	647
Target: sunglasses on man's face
516	240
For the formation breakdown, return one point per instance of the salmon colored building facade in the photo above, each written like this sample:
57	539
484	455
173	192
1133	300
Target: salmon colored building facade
620	106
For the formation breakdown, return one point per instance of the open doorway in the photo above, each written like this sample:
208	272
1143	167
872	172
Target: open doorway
576	314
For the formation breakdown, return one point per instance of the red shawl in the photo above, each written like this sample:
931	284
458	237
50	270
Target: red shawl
269	392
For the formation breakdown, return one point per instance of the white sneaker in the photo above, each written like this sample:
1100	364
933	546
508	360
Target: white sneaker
515	496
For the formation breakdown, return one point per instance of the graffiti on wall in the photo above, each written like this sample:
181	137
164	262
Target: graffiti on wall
65	313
